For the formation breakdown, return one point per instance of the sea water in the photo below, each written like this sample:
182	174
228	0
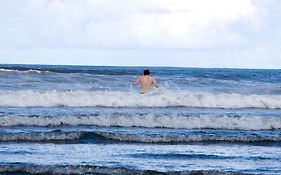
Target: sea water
87	119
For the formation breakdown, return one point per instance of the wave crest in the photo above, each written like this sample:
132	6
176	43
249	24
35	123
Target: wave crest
128	99
141	137
150	121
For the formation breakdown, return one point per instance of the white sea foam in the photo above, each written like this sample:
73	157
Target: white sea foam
144	137
151	121
40	136
23	71
7	70
129	99
152	138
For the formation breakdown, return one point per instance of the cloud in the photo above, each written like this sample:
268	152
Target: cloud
135	23
197	33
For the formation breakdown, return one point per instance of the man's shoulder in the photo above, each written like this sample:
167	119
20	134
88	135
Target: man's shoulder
147	77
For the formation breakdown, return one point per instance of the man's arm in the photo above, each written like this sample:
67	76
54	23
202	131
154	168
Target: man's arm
136	82
155	83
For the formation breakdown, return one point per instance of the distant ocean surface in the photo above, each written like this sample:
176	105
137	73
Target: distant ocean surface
87	120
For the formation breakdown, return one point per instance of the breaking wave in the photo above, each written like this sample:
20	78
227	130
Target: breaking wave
129	99
40	136
65	70
150	121
191	137
143	137
31	71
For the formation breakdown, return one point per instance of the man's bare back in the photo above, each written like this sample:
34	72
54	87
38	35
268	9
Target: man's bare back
146	82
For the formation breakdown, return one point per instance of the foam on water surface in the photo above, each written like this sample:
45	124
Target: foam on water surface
87	119
127	99
150	121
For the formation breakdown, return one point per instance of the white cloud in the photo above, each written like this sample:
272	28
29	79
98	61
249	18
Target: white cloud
135	23
197	33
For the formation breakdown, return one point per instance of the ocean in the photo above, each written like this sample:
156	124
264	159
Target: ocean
89	120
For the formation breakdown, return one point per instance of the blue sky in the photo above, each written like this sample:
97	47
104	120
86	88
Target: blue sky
186	33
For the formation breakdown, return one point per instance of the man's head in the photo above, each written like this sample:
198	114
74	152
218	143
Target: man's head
146	72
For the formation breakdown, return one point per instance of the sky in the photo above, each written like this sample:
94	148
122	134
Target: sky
182	33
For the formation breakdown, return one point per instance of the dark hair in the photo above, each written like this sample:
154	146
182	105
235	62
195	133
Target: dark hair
146	72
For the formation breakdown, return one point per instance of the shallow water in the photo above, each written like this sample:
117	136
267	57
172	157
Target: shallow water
82	119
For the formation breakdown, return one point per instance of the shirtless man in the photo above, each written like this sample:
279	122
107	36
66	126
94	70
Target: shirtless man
146	82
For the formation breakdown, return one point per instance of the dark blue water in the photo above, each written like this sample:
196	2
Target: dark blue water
87	119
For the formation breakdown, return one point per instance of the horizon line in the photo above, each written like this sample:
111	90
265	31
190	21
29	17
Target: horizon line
139	66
